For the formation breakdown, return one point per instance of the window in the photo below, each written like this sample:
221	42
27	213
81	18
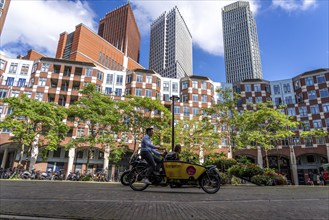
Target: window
297	84
176	109
139	78
2	64
10	81
186	111
259	99
204	98
25	69
317	123
184	98
13	68
303	111
291	111
276	89
325	107
204	85
39	96
149	79
119	79
166	97
308	143
109	78
175	87
184	84
129	78
314	109
1	109
28	94
195	97
34	67
299	98
165	86
249	100
99	75
80	132
57	152
108	90
118	92
320	79
278	101
320	140
44	67
296	140
247	88
324	93
138	92
194	84
148	93
14	93
311	95
42	81
288	100
286	88
89	72
195	111
157	95
158	82
257	88
306	125
309	81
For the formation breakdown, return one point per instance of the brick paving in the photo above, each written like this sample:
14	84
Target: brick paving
84	200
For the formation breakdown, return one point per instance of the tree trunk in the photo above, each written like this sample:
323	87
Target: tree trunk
21	154
266	156
87	163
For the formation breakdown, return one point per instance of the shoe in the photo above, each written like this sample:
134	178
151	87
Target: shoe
146	181
156	173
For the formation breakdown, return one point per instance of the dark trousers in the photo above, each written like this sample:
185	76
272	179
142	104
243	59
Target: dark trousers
151	160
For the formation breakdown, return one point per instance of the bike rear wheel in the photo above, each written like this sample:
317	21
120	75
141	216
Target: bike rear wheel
135	180
210	183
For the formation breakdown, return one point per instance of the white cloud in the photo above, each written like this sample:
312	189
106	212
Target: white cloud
203	18
38	24
293	5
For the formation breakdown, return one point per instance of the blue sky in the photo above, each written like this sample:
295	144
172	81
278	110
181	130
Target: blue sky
293	34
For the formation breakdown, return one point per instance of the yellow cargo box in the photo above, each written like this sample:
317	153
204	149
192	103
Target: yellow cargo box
182	170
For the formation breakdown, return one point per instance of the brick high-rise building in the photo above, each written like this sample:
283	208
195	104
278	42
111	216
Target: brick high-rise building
120	29
4	6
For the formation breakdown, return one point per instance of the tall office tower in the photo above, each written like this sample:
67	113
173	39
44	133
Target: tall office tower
171	46
120	29
4	6
241	49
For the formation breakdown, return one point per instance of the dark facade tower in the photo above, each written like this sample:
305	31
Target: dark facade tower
4	6
120	29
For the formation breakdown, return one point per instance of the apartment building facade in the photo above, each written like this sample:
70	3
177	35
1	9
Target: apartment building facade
59	80
4	7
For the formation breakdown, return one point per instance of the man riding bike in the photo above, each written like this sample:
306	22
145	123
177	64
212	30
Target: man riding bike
150	154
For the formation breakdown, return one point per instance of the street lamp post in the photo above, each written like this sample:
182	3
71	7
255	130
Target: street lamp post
173	98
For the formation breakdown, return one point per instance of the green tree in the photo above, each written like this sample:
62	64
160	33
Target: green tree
196	136
264	127
317	133
140	113
101	114
34	123
226	116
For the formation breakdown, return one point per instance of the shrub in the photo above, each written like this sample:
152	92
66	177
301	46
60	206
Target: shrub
245	170
262	180
86	178
224	178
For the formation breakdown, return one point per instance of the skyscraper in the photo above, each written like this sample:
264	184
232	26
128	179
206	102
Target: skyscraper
171	46
241	49
119	28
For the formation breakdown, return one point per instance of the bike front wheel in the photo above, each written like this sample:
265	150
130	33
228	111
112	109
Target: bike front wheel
210	183
135	180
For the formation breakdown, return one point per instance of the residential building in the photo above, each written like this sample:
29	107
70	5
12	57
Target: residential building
119	28
241	49
171	46
4	7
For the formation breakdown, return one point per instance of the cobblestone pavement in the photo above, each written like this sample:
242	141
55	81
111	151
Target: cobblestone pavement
84	200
